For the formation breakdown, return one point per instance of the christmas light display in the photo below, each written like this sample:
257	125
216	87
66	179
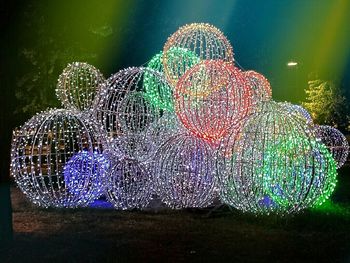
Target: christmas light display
162	95
126	114
78	85
335	141
129	184
212	97
276	164
204	40
260	86
184	172
46	150
297	111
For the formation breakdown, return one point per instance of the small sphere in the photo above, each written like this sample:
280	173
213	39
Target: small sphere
78	85
276	164
211	98
48	160
204	40
129	185
184	172
335	141
162	95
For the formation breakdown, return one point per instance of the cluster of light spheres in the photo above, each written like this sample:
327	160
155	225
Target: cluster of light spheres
56	159
78	85
189	127
335	141
276	164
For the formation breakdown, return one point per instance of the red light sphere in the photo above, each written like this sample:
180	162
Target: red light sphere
212	97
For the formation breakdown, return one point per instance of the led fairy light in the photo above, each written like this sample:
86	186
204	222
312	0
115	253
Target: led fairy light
204	40
297	110
126	114
275	165
129	184
335	141
78	85
48	149
211	98
184	172
159	94
260	86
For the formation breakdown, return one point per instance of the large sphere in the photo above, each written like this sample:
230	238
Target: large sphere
129	185
125	113
48	159
184	172
335	141
78	85
204	40
276	164
162	95
211	98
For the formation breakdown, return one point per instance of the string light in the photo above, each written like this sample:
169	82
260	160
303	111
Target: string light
260	86
78	85
184	172
335	141
204	40
297	111
48	159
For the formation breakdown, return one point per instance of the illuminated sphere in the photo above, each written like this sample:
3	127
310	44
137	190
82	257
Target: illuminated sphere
335	141
48	149
129	185
204	40
78	85
212	97
276	164
159	94
260	86
184	172
78	170
125	114
298	111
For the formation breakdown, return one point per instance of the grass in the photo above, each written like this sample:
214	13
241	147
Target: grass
196	235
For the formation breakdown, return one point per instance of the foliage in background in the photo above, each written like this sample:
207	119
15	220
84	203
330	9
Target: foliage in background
326	103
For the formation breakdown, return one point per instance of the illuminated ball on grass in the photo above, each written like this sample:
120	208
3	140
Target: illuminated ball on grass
159	94
129	184
211	98
50	146
125	113
184	172
276	164
204	40
78	85
259	85
335	141
298	111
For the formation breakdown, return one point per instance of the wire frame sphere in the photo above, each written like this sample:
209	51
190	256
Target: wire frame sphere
129	185
204	40
211	98
162	95
260	86
335	141
49	163
125	113
184	172
78	85
298	111
276	164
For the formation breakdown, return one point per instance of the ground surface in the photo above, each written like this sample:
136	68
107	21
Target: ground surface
106	235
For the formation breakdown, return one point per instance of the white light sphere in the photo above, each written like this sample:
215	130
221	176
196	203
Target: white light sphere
125	113
184	172
335	141
56	159
275	164
129	184
78	85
